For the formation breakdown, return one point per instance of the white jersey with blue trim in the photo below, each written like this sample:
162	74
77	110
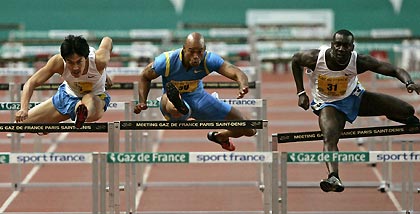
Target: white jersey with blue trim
92	82
328	85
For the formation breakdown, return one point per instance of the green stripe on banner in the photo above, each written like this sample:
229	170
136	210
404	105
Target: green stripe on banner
301	157
15	105
4	158
37	158
191	157
148	157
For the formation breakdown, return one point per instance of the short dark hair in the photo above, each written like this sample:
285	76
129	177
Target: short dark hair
344	32
74	45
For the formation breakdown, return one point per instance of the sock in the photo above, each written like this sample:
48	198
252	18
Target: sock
335	174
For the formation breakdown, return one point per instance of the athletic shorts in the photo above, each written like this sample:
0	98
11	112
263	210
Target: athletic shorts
349	106
203	106
65	103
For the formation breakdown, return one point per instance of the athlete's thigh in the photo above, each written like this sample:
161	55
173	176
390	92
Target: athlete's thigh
207	107
377	104
331	121
45	112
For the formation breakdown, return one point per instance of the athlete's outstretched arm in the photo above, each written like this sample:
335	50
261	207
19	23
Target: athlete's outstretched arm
234	73
145	79
54	65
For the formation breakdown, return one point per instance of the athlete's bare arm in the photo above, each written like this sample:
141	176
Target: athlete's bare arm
234	73
145	78
103	54
54	65
369	63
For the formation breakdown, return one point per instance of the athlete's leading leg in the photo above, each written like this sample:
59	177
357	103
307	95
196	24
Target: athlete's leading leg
45	112
331	122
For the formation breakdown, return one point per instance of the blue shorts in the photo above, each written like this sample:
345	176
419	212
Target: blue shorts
203	106
65	103
349	106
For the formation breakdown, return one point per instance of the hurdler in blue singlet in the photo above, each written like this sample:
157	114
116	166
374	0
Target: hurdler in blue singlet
203	105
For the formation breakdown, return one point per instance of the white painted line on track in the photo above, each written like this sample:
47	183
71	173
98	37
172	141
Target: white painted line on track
390	194
148	167
31	174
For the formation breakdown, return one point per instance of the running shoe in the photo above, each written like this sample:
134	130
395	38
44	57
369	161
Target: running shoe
227	145
81	115
331	184
173	95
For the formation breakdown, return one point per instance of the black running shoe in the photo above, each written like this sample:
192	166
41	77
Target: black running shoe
228	145
81	115
173	95
331	184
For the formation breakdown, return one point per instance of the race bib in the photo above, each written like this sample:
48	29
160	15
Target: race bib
84	87
186	86
332	86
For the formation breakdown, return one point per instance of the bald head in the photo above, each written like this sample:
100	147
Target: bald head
194	39
193	50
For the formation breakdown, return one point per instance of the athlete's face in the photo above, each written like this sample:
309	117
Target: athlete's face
76	64
341	47
193	53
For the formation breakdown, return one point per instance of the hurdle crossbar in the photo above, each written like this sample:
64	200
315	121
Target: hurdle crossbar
348	133
4	86
211	85
231	124
54	86
130	85
52	127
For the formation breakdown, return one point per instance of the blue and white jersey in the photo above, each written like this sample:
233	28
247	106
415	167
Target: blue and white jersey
169	66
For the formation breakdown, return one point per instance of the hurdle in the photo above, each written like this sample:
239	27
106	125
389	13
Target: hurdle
354	157
45	127
62	158
131	183
14	106
368	157
57	158
259	105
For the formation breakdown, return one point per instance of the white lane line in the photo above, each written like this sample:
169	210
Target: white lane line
148	168
31	174
390	194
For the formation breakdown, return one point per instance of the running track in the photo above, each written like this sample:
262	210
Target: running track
283	116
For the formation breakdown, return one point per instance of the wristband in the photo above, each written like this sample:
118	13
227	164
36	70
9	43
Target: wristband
300	93
409	82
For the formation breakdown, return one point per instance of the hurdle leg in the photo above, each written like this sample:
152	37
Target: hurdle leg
262	146
410	180
264	173
95	182
16	169
102	182
283	168
407	187
275	177
129	187
114	199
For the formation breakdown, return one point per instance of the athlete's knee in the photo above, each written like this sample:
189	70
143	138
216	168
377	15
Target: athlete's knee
410	110
250	132
331	137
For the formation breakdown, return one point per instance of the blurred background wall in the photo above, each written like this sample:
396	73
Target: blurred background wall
129	14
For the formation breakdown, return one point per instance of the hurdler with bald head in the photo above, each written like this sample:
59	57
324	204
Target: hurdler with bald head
184	97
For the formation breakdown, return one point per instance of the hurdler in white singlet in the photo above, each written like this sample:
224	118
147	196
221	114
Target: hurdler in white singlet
329	86
92	82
